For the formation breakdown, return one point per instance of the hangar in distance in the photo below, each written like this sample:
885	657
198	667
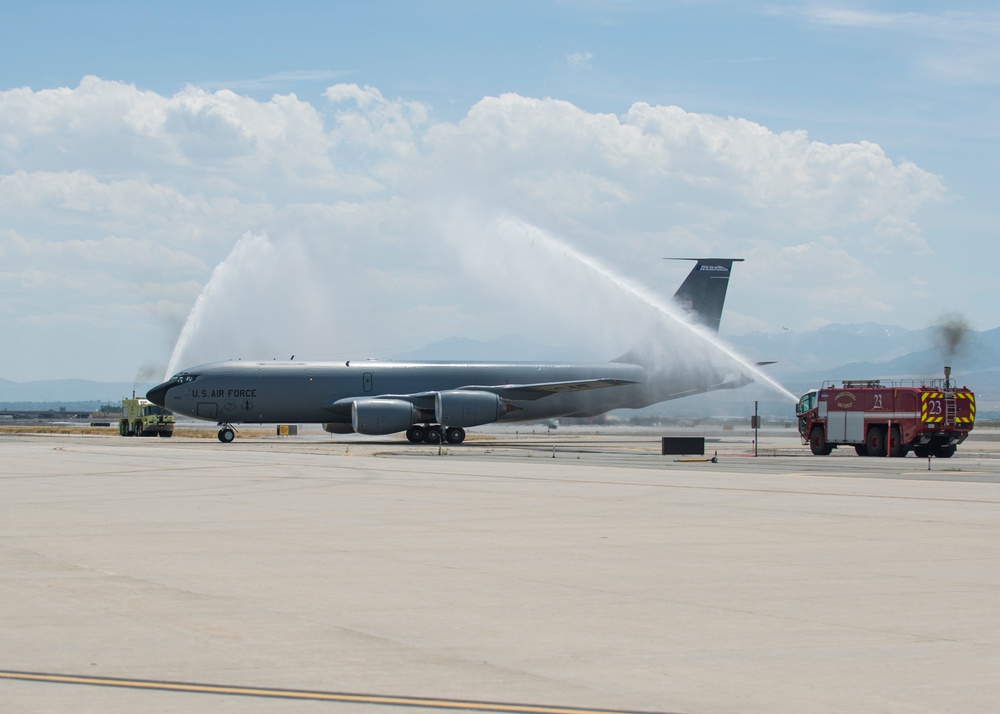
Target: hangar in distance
436	401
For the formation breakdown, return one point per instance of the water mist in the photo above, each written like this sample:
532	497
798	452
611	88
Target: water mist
627	311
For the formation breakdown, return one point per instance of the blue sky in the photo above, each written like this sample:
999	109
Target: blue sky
839	67
917	81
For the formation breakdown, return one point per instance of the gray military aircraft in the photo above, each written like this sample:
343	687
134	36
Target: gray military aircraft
435	401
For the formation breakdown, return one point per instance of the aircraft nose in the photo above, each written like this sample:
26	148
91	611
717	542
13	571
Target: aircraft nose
158	394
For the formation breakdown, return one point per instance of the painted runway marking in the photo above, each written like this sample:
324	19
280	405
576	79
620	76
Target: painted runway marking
274	693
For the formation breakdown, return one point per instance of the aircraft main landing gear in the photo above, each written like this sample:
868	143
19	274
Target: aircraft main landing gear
415	434
433	434
226	434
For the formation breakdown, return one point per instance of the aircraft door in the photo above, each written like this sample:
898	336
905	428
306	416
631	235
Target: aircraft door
208	410
366	383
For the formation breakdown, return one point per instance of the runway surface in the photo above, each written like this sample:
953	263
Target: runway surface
517	573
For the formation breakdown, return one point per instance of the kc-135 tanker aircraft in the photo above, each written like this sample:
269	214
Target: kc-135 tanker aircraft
435	401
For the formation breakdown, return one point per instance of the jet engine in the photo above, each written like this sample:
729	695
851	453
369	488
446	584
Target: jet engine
468	408
338	427
382	416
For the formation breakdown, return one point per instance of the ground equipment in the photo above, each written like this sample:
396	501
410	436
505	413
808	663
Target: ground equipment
140	417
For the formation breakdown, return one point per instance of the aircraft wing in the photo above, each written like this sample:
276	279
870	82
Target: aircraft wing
509	392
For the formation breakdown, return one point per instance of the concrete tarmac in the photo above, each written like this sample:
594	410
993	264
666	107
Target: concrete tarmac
535	573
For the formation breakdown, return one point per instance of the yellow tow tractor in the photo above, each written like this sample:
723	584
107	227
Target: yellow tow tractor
140	417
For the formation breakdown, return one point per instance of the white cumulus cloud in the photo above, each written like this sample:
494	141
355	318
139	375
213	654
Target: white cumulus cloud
375	227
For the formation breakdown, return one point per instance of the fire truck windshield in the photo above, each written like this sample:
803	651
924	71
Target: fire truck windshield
807	402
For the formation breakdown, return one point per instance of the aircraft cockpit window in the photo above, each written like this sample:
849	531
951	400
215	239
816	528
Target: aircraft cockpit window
184	378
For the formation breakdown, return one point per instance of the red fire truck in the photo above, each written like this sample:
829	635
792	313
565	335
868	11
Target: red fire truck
887	418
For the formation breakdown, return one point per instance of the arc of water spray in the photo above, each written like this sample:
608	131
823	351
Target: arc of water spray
190	325
239	251
643	295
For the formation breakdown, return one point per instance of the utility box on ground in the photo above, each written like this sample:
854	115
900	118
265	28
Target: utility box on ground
682	445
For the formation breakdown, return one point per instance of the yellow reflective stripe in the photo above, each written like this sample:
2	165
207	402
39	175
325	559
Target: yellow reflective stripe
924	416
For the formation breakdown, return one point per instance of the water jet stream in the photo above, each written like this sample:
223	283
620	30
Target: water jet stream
225	272
662	309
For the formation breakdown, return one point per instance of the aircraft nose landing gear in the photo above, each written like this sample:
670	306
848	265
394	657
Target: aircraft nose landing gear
226	434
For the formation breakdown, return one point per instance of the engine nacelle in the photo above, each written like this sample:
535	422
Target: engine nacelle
338	427
382	416
462	408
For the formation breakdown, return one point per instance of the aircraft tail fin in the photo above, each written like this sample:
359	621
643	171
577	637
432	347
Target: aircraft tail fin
703	292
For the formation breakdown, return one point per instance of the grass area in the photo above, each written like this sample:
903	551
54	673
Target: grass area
44	429
192	433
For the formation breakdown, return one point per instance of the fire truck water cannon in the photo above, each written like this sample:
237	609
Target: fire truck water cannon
887	418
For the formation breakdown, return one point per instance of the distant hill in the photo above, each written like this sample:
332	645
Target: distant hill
837	352
834	345
50	393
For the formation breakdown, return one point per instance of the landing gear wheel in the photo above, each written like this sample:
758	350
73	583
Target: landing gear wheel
896	449
415	434
875	441
226	434
433	435
454	435
817	442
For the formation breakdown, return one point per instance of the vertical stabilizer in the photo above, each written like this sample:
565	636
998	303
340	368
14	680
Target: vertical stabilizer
703	293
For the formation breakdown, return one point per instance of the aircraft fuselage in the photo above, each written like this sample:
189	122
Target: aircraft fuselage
309	392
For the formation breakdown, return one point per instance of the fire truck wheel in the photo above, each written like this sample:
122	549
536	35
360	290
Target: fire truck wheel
944	452
861	450
896	449
875	441
817	442
922	451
